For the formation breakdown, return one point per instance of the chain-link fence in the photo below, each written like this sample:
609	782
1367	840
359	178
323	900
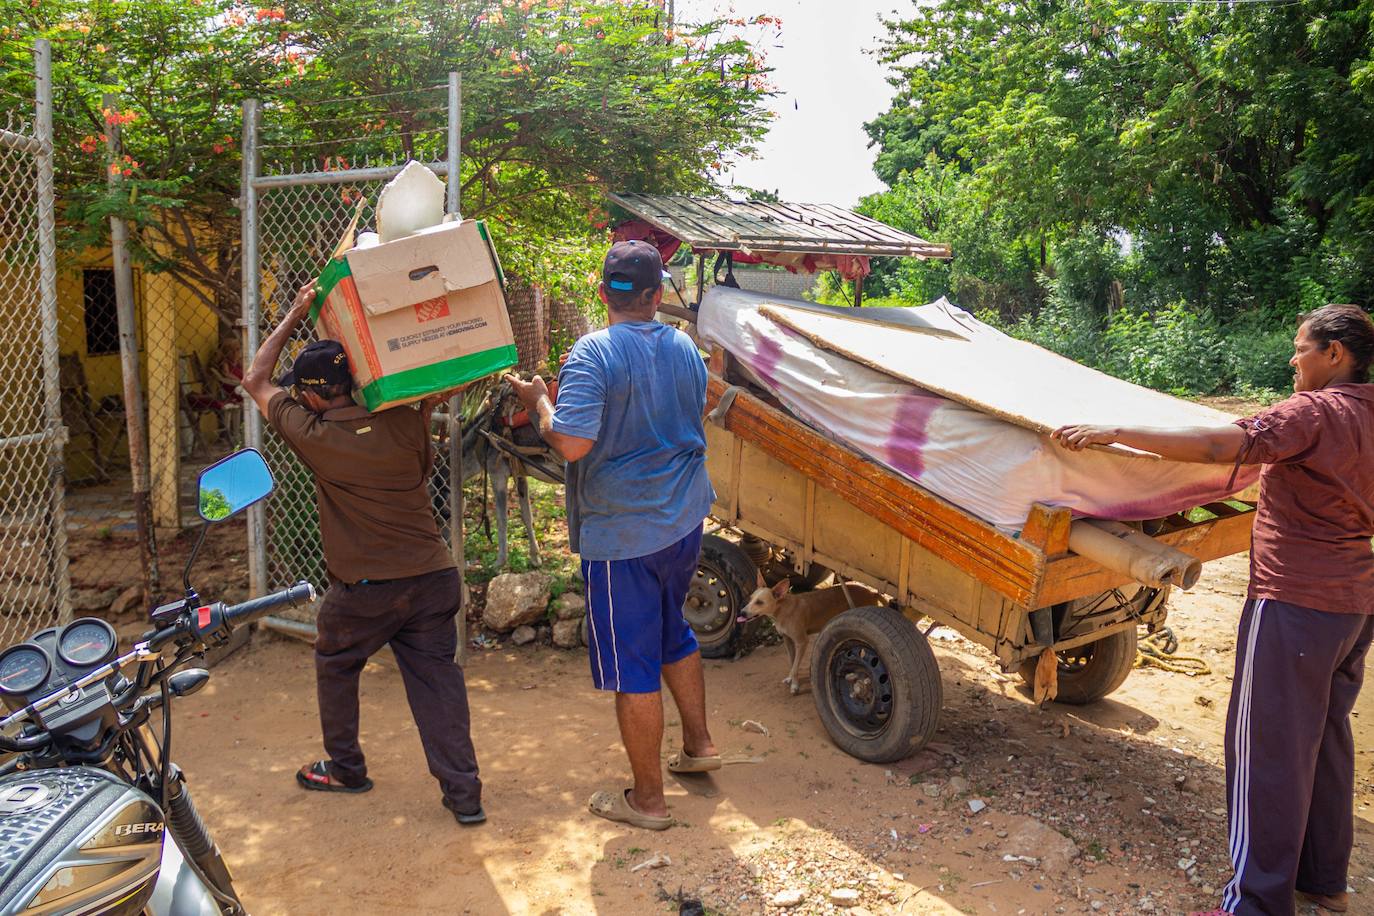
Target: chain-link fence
301	197
148	367
34	589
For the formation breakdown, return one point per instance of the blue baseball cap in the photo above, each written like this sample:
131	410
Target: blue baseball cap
633	267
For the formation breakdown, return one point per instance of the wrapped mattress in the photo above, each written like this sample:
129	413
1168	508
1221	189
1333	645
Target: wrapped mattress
992	460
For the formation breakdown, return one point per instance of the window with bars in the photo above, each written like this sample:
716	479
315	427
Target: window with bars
102	317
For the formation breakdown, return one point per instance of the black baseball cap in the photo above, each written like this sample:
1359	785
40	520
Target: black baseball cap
322	363
633	267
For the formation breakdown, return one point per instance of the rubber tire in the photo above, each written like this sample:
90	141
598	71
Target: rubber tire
913	673
1111	663
738	576
813	577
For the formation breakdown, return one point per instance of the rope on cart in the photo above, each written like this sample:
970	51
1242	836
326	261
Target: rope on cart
1160	650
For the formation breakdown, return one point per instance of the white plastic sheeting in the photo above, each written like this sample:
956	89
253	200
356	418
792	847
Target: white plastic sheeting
985	465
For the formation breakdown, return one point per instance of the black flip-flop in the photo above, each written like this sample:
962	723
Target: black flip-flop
469	819
316	778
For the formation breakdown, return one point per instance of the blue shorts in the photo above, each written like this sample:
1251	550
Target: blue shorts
634	616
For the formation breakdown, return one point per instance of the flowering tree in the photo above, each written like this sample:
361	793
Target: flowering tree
563	101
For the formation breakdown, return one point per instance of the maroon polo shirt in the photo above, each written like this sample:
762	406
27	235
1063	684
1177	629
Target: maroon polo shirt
1311	541
371	485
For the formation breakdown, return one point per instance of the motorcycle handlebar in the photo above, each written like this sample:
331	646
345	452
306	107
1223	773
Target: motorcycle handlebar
252	609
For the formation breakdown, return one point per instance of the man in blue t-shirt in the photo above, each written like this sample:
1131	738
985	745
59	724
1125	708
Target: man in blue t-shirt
629	422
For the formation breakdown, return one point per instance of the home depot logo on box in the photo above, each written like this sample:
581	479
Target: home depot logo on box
419	315
431	309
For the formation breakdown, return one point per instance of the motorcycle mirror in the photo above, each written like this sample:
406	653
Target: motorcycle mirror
184	683
232	484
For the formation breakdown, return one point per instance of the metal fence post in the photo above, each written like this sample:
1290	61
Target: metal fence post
249	271
455	403
134	417
47	282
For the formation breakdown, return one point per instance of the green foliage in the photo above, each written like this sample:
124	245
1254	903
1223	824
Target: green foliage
1207	166
1173	349
1062	325
213	505
992	267
1259	360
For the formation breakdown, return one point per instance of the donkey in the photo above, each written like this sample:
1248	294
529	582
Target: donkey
500	442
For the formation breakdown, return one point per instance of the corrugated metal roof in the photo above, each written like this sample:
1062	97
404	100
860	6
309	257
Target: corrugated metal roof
737	225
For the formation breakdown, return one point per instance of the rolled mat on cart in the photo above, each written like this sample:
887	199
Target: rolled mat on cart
1123	549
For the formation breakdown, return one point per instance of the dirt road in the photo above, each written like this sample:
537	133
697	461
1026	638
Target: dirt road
1112	807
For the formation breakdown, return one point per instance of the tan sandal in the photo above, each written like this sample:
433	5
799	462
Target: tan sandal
615	806
683	762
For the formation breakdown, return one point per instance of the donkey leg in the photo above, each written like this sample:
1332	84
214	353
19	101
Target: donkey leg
522	489
500	478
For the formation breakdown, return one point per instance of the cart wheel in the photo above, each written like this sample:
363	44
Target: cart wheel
812	578
876	684
724	580
1088	673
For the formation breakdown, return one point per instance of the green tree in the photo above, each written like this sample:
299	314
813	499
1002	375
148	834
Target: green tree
563	101
213	505
1227	142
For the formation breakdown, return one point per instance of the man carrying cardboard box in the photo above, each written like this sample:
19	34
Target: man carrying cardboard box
629	419
392	578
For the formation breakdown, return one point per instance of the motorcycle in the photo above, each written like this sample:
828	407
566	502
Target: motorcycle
90	794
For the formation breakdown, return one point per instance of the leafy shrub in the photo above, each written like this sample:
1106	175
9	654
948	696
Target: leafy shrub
1174	349
1259	359
1062	324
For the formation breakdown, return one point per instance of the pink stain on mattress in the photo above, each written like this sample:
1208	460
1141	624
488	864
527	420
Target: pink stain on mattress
1162	504
764	363
905	445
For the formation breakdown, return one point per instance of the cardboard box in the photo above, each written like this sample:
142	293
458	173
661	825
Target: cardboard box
418	315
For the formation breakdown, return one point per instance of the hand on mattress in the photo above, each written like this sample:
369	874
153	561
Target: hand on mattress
1080	436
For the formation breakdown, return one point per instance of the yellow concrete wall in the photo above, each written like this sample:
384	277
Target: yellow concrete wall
172	322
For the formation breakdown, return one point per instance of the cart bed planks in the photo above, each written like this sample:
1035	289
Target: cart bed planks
1008	566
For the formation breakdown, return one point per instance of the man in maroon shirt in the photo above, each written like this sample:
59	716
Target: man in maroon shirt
1308	620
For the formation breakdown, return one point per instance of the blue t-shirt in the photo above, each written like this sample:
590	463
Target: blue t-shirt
639	389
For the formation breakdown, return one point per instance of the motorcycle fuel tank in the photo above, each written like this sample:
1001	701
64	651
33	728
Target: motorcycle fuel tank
76	840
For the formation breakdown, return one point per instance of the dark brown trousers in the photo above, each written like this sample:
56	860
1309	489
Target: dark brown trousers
416	616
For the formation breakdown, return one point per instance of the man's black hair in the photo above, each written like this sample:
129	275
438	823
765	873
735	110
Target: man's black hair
630	300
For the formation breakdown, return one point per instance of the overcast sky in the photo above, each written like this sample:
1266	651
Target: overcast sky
829	85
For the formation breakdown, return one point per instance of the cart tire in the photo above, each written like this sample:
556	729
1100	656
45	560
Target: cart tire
725	578
876	684
813	577
1091	672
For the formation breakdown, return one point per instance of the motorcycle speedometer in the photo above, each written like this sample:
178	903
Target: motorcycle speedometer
85	642
23	669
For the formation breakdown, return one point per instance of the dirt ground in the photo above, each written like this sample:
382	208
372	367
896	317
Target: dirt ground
1135	783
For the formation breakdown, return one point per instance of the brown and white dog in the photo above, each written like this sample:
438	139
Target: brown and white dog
799	616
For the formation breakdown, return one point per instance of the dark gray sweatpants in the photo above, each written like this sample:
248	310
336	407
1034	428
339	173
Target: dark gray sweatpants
1290	755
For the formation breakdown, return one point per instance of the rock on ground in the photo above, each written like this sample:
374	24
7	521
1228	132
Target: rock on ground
522	636
569	606
1028	837
128	599
516	599
93	599
793	896
567	634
